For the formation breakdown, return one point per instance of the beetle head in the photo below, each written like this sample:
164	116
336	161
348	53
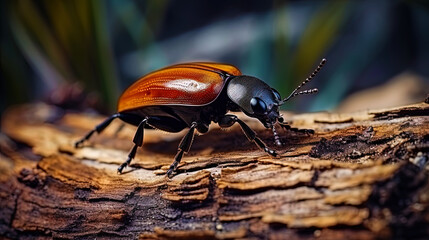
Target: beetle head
255	98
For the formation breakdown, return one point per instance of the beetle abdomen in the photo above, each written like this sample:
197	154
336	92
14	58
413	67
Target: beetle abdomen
190	84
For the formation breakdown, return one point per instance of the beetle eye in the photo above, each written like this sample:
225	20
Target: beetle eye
276	94
258	106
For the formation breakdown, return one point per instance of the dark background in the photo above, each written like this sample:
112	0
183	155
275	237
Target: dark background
81	54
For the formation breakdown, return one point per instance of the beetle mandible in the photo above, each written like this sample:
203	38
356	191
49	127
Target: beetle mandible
192	95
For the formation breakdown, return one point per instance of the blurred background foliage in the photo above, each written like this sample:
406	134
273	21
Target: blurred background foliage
81	54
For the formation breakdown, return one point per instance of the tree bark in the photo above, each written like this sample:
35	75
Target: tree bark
360	176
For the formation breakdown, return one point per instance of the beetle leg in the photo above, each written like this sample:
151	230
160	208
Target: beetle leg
250	134
99	128
287	127
184	147
138	142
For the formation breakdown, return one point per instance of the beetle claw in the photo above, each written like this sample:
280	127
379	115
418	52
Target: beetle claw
170	173
120	168
79	144
271	152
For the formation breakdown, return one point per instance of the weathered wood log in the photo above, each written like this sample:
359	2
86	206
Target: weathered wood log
361	176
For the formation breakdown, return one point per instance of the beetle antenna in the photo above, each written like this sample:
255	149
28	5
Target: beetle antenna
307	80
276	136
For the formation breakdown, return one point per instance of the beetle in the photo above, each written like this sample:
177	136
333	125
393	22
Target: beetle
193	95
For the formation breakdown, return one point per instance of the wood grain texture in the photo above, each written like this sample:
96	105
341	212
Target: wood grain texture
361	175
